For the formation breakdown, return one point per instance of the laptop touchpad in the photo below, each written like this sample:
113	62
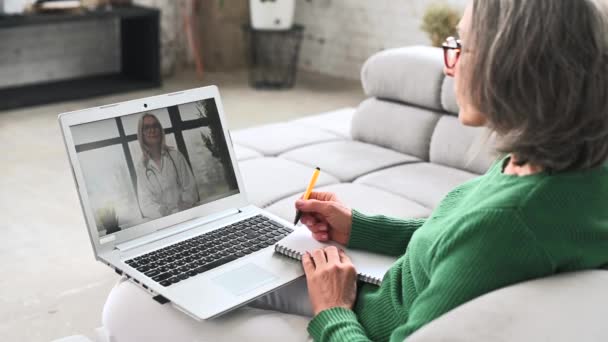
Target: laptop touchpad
244	279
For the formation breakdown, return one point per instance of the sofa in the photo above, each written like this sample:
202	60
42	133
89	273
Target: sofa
399	153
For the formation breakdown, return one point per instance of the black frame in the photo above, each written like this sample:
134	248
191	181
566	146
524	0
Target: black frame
447	48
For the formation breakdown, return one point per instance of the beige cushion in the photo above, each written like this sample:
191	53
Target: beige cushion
268	180
347	160
402	128
274	139
423	183
366	199
562	308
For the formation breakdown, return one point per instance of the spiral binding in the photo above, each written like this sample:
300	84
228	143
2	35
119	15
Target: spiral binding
288	252
298	256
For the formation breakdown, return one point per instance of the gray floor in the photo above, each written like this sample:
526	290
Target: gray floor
50	285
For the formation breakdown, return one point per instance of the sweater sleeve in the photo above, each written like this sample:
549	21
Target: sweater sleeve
381	234
336	324
490	250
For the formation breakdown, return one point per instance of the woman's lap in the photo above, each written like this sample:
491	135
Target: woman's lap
130	314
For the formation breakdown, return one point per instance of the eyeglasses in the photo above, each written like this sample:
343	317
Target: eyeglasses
148	128
451	52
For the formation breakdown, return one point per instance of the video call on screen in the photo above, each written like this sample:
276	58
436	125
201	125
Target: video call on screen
152	164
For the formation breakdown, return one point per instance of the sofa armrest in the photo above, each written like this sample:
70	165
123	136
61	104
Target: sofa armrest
566	307
412	75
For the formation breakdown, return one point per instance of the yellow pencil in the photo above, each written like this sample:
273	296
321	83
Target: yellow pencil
306	196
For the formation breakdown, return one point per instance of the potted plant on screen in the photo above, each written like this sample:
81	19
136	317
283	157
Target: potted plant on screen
207	113
108	219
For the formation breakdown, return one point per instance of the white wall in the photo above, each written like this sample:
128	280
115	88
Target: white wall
341	34
13	6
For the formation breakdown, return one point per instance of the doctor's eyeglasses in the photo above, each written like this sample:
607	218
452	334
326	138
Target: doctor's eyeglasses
452	48
149	128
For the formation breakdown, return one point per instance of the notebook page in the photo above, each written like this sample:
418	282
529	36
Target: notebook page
366	263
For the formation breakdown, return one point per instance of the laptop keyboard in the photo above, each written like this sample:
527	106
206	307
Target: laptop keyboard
185	259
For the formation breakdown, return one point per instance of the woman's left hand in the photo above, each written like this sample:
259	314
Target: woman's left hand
331	279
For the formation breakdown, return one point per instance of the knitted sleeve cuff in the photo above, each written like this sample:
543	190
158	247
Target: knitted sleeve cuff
382	234
331	317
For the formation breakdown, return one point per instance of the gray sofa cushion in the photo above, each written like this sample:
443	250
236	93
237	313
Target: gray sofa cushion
423	183
562	308
269	179
402	128
274	139
349	159
412	75
361	197
448	97
244	153
336	122
462	147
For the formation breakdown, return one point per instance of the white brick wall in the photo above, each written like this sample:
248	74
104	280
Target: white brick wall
341	34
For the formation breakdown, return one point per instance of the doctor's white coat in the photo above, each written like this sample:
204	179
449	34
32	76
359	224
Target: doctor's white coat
161	189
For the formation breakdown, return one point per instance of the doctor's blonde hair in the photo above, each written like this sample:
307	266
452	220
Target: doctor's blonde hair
140	137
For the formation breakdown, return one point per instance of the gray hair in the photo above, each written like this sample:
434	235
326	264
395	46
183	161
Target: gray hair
538	70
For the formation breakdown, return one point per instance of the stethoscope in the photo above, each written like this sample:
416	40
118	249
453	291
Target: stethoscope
160	187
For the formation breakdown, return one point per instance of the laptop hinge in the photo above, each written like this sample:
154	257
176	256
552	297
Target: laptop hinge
174	230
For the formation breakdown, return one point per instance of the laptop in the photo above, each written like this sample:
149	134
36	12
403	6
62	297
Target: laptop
165	206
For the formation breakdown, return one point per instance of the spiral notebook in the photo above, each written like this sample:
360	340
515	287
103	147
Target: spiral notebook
371	267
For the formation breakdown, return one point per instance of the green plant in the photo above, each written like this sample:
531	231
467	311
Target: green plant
439	22
108	219
209	141
207	113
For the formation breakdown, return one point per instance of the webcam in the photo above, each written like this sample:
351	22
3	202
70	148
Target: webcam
145	105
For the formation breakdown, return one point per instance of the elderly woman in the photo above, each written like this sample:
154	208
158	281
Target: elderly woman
534	72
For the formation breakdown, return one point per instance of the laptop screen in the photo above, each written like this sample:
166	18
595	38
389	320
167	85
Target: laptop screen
152	164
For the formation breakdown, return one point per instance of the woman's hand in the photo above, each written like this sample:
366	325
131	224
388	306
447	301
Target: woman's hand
331	279
326	217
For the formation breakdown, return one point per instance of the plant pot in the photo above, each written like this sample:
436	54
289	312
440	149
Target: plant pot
272	14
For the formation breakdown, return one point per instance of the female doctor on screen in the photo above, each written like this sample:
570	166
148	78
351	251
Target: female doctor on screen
165	183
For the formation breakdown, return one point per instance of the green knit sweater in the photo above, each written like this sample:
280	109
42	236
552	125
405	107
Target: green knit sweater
493	231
